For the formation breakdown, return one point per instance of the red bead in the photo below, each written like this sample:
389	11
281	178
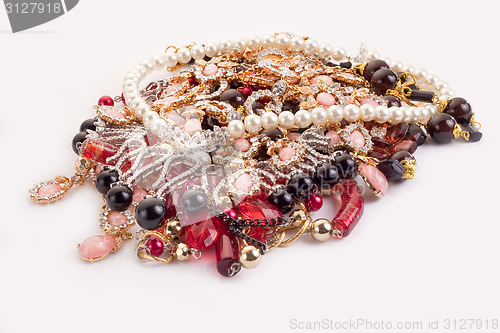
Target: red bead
192	81
227	252
123	100
106	100
396	133
257	209
202	235
314	202
232	213
406	145
155	246
351	208
97	150
247	91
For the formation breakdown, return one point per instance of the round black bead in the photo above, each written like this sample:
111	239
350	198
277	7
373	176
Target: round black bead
300	185
88	125
104	180
372	67
194	202
326	174
392	101
346	166
383	80
77	141
119	198
282	199
150	213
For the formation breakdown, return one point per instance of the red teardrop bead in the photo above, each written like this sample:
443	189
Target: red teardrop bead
257	209
202	235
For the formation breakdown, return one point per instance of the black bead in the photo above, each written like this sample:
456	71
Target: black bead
292	106
372	67
207	58
236	85
326	174
119	198
104	180
459	109
150	213
232	96
262	154
194	202
300	185
392	170
421	96
345	64
281	198
88	125
77	141
274	134
392	101
474	134
346	166
383	80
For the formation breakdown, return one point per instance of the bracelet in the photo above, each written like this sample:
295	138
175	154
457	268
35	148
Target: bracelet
240	144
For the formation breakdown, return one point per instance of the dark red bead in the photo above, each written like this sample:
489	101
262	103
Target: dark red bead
227	255
459	109
383	80
417	134
379	154
106	100
396	133
392	101
381	143
233	97
406	145
402	155
441	127
392	170
314	202
372	67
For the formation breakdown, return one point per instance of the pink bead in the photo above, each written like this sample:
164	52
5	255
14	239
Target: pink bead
294	136
210	69
369	101
172	88
106	100
178	120
314	202
243	182
325	78
357	138
116	219
138	195
96	247
325	99
155	246
192	126
241	145
114	113
376	178
334	137
287	153
49	189
247	91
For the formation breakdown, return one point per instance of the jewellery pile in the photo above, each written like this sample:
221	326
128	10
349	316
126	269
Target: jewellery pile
242	141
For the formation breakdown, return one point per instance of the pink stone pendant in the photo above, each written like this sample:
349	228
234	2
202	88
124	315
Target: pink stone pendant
98	247
50	190
374	179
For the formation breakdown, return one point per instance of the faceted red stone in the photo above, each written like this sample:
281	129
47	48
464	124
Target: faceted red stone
257	209
97	150
202	235
379	154
247	91
406	145
382	144
259	233
396	133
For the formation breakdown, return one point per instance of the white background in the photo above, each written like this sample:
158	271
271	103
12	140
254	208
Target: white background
428	250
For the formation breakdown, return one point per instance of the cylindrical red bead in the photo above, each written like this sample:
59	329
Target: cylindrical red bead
227	253
351	208
97	150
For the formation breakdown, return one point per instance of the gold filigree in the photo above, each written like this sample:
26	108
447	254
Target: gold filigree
410	169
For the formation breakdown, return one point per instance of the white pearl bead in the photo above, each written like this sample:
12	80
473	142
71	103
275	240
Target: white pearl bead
134	102
171	59
441	85
408	69
236	128
424	115
386	60
282	40
132	77
253	42
286	119
267	40
239	44
197	51
367	112
203	157
417	115
141	109
338	53
325	50
184	55
381	114
407	114
447	92
372	55
157	125
253	123
149	116
351	112
432	109
158	61
142	70
335	114
132	95
297	43
431	79
303	118
396	115
148	64
319	116
211	49
269	120
130	90
225	45
310	46
420	74
397	66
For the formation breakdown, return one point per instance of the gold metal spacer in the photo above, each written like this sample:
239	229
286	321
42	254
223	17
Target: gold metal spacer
473	121
459	132
410	169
